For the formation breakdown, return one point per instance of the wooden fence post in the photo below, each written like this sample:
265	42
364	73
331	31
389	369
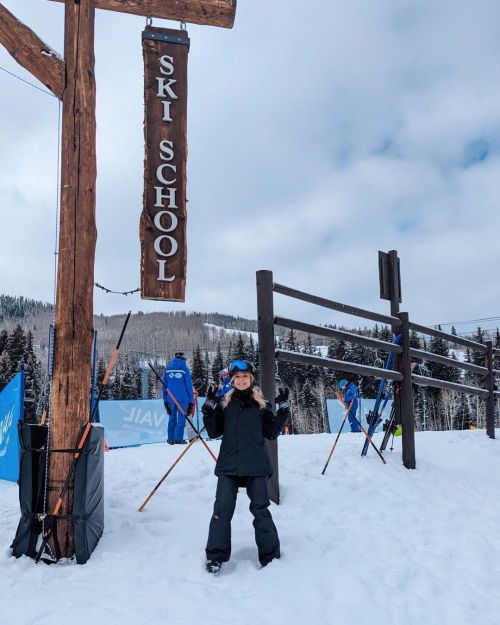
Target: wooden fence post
395	300
490	385
406	395
267	374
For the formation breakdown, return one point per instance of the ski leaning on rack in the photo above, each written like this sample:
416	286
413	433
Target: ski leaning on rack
50	520
374	415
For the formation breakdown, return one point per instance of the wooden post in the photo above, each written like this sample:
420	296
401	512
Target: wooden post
406	395
490	385
75	271
267	380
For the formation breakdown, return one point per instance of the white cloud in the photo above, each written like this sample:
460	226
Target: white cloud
317	136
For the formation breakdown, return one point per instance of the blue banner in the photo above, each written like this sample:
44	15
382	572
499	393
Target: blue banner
138	421
11	411
336	413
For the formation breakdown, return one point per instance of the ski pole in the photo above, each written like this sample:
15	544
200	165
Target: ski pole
48	533
180	409
143	506
338	436
368	437
110	367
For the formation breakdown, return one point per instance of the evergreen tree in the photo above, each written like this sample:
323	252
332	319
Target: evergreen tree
496	357
5	367
310	372
309	347
250	350
198	371
217	365
4	336
197	366
479	337
229	358
239	351
115	385
128	386
310	409
291	374
151	386
385	334
206	368
33	381
438	370
137	372
16	347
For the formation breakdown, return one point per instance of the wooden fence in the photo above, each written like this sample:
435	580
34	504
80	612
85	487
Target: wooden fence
390	289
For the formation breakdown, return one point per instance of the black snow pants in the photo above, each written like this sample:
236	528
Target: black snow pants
219	535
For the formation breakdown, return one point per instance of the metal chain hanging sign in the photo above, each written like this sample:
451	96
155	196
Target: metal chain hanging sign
163	219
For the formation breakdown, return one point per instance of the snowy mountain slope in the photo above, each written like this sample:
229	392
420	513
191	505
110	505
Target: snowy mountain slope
366	543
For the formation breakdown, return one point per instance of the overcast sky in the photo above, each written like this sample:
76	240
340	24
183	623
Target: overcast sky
319	133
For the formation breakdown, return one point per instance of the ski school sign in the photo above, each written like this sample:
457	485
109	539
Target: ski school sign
163	219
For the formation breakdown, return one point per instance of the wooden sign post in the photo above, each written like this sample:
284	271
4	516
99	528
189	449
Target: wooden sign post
72	80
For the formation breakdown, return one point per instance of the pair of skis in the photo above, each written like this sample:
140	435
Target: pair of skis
385	390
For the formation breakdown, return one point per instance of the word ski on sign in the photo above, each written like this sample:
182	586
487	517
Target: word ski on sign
163	219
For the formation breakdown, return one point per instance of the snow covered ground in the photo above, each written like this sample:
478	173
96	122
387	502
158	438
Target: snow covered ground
364	544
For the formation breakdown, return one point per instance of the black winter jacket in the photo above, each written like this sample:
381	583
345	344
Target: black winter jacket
243	427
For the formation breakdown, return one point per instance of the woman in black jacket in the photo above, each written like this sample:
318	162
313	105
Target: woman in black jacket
244	420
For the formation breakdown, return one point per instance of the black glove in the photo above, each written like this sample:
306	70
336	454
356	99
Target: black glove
282	399
167	408
190	409
211	400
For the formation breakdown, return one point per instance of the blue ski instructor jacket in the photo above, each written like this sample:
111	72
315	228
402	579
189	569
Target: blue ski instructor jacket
177	378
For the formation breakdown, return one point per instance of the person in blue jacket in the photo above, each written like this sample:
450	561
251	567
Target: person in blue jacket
224	385
350	393
177	379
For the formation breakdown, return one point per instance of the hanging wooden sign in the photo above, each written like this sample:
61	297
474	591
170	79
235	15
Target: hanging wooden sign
163	219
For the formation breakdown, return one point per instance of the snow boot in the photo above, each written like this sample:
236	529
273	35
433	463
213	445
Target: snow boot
213	566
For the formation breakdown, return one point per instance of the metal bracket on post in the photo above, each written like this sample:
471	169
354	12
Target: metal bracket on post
159	36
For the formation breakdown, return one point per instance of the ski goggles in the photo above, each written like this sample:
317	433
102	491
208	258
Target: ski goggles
241	366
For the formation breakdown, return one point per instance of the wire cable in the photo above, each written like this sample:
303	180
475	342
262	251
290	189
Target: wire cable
99	286
28	83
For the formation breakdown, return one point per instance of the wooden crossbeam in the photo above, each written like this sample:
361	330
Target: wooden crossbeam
32	53
205	12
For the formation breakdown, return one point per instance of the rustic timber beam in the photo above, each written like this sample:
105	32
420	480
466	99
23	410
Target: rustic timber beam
75	262
32	53
205	12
